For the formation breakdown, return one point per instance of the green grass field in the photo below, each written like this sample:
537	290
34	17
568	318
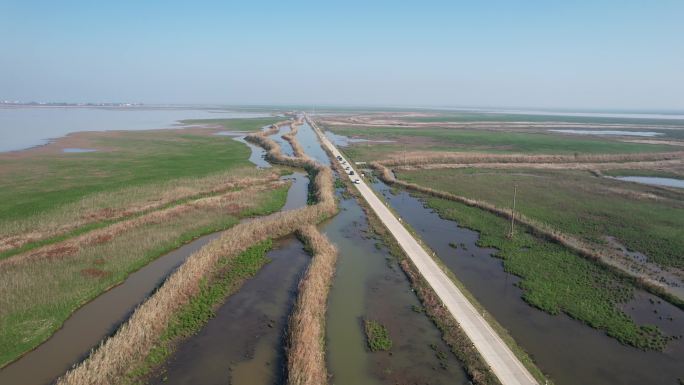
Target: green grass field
35	184
577	203
39	296
235	124
451	139
556	280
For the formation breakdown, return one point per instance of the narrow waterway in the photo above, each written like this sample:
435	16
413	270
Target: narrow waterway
569	351
258	154
243	343
285	146
369	284
98	319
309	141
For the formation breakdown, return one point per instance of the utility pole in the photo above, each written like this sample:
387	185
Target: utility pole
515	192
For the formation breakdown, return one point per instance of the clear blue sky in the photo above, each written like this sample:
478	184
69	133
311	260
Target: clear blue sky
576	54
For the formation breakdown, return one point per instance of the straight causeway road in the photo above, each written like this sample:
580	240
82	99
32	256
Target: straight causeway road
493	349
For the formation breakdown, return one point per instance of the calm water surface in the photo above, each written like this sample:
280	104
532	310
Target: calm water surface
25	127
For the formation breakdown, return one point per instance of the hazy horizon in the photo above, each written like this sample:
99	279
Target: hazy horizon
605	55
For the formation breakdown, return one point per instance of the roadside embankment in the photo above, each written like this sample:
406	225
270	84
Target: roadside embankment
543	231
306	336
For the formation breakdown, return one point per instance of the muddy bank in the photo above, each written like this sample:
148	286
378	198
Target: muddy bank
243	343
569	351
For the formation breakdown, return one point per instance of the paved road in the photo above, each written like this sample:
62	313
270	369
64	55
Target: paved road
496	353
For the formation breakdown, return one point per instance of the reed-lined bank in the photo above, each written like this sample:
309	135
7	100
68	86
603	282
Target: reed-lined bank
137	337
306	336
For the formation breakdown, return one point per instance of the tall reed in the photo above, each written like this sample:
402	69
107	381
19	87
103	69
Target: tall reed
306	330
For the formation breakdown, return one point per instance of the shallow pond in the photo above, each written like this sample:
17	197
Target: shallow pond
78	150
653	181
569	351
344	141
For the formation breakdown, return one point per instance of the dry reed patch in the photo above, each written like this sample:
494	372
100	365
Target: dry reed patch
416	158
92	272
60	251
229	203
306	331
121	204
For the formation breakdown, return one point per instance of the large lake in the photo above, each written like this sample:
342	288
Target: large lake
25	127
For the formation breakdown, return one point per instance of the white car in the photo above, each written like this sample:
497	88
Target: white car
356	181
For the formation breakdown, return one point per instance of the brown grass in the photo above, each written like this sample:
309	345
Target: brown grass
95	273
134	340
306	334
